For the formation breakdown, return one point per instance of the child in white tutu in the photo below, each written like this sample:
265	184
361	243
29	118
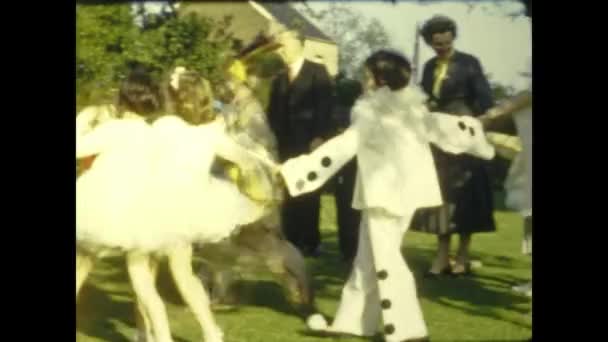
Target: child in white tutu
150	190
147	177
390	134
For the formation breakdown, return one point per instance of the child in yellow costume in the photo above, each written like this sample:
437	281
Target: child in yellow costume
247	119
260	244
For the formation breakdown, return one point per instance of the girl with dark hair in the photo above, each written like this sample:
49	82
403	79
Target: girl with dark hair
139	96
389	135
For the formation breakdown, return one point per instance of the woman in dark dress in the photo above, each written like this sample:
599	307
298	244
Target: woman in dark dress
456	84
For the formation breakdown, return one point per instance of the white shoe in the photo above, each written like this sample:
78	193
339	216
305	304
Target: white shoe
474	264
525	289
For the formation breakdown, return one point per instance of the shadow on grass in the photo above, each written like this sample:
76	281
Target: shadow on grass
96	310
484	293
479	297
99	309
328	270
339	337
264	293
268	293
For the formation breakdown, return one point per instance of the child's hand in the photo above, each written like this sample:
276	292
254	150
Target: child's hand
316	142
276	175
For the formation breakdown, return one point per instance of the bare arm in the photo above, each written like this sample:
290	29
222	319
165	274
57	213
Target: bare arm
506	109
458	134
93	142
230	150
309	172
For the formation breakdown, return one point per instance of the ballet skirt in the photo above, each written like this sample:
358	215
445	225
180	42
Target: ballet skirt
89	118
150	186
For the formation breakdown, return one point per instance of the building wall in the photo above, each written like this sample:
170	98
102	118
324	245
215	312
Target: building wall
325	51
246	22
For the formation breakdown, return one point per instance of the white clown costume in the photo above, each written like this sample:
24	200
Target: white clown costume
390	135
150	185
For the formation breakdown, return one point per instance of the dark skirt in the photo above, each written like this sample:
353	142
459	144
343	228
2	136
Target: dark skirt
467	195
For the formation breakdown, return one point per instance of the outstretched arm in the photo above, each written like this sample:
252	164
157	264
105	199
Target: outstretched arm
229	149
309	172
93	142
85	121
92	116
458	134
496	114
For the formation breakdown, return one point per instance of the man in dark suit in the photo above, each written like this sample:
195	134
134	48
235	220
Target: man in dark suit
298	113
347	92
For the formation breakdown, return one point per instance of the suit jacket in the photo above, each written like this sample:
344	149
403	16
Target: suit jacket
465	89
300	111
390	137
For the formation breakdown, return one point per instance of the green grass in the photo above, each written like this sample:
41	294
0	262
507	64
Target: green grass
480	308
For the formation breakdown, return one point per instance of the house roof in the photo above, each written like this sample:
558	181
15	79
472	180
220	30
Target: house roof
291	18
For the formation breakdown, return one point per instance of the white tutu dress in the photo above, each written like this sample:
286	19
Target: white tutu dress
150	185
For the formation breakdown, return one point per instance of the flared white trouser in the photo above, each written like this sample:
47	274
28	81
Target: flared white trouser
381	286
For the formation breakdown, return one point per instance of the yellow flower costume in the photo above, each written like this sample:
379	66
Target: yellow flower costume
254	183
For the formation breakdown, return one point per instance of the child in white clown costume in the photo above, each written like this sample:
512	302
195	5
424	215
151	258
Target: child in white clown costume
390	134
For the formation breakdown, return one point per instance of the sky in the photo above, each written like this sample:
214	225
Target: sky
502	43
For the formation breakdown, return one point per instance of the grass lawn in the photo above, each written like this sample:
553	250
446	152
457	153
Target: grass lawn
480	308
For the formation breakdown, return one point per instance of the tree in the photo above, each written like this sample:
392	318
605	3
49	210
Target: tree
527	10
499	91
108	40
100	33
356	36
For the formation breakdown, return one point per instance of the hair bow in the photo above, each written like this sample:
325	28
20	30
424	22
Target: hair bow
175	77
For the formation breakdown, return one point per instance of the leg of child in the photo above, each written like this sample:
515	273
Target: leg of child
401	312
84	265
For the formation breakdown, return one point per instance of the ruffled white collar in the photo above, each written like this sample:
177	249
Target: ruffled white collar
402	103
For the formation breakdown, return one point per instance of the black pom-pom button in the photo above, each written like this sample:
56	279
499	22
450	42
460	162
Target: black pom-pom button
312	176
326	161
